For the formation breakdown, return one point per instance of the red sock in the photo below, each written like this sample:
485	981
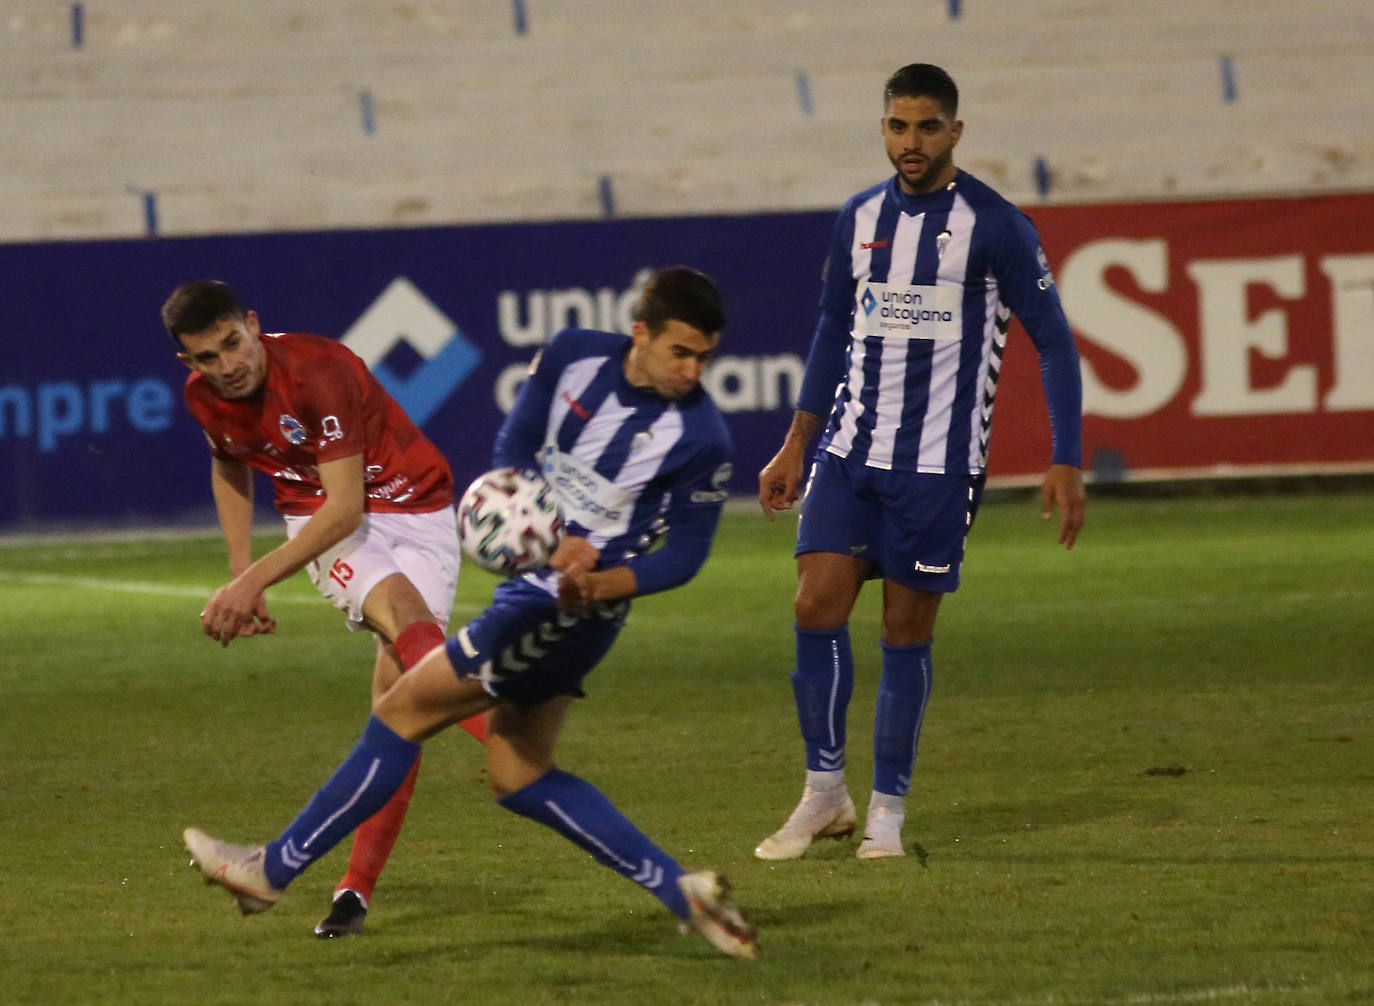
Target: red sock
416	640
374	838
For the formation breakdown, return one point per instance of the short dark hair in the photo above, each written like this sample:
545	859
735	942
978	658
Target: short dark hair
680	293
923	80
197	304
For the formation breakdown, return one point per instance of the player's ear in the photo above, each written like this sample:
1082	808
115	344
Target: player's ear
640	333
250	322
956	130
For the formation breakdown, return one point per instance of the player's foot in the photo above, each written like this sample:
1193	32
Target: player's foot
714	917
345	918
882	834
821	814
236	868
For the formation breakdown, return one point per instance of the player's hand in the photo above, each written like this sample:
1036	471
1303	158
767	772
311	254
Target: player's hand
262	624
779	481
1063	491
574	593
575	558
575	554
236	609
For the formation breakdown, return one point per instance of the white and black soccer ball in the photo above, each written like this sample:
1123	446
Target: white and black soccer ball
508	521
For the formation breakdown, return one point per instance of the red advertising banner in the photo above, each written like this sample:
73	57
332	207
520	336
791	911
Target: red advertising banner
1216	337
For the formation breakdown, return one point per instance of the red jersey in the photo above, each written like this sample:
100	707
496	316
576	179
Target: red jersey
321	403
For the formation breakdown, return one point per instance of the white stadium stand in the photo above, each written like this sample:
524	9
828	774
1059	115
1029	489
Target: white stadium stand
264	115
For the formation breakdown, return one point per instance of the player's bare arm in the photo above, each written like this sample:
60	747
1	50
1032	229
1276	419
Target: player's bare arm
232	607
780	479
231	484
1063	491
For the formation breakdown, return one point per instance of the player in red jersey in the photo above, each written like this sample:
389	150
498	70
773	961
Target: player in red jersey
367	499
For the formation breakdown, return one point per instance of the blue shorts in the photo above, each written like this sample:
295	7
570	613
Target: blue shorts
911	525
522	648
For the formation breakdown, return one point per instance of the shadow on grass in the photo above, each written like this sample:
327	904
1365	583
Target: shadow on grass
459	920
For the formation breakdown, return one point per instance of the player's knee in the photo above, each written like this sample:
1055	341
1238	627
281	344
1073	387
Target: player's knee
506	778
401	708
907	633
818	613
393	605
908	630
910	620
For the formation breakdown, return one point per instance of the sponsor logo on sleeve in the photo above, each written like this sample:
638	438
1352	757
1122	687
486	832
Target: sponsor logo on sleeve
1047	278
720	482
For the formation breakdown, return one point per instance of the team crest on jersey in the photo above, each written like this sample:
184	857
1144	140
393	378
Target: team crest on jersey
942	241
293	429
640	440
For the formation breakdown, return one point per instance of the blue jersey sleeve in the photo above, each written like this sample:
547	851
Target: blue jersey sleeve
682	554
1027	287
825	362
522	434
695	503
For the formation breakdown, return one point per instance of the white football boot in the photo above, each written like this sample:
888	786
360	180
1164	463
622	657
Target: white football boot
236	868
882	834
708	895
821	814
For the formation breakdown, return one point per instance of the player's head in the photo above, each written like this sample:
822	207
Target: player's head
921	127
683	294
924	80
677	323
217	337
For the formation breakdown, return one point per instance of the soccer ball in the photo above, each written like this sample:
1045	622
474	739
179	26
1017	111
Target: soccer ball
508	521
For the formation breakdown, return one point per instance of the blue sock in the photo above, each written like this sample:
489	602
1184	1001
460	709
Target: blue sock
903	693
822	684
366	779
580	812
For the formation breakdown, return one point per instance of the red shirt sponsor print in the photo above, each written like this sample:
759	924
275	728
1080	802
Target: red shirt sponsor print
321	403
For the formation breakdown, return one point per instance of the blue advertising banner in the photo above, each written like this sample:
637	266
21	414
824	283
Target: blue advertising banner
93	428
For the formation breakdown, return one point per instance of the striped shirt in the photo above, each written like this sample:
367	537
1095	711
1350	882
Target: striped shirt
628	466
917	300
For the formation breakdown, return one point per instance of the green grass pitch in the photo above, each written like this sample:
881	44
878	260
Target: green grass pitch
1146	776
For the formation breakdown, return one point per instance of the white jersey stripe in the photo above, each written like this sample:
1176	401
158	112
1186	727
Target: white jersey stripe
892	380
861	256
596	436
865	226
643	464
571	383
947	356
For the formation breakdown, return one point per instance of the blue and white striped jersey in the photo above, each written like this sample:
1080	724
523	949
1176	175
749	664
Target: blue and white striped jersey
628	466
916	304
